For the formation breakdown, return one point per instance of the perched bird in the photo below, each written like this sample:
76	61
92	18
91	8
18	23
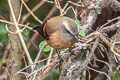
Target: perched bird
59	32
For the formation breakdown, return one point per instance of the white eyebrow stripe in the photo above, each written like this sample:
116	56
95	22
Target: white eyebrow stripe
67	26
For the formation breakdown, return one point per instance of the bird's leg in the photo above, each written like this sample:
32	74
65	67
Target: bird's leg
70	50
59	57
58	53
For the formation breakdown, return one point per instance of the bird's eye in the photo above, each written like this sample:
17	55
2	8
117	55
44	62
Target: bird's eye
67	30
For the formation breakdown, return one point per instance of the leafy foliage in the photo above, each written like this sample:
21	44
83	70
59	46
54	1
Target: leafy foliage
117	76
26	33
46	49
81	33
3	35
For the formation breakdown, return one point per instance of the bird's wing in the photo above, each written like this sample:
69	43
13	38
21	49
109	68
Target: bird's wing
41	31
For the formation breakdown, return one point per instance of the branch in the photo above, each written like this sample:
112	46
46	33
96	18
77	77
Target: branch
31	12
93	10
20	35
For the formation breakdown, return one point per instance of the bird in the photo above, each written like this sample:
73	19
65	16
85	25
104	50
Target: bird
59	32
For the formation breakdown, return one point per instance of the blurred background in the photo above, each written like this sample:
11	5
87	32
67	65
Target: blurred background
43	10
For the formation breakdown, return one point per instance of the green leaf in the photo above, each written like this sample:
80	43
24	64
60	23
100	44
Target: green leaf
80	27
4	3
42	63
38	65
77	21
1	44
41	44
2	26
25	39
81	33
61	50
3	31
46	49
117	76
0	62
26	32
81	61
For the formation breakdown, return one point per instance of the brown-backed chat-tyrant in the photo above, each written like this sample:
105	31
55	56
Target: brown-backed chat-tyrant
59	32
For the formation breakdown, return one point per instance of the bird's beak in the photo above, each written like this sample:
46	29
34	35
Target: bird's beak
76	37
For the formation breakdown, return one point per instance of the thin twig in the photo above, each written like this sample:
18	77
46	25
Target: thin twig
39	53
109	21
74	3
5	21
50	56
20	35
31	12
20	13
31	65
48	1
99	72
16	31
8	73
37	58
